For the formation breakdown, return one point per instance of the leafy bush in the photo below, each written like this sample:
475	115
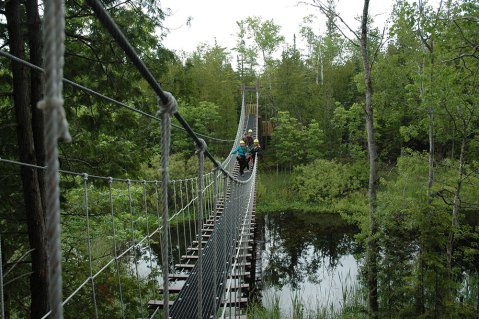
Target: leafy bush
325	181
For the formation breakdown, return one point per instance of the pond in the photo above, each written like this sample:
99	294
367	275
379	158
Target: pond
308	257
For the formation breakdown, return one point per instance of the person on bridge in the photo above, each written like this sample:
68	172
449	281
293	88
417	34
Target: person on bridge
255	150
242	152
249	138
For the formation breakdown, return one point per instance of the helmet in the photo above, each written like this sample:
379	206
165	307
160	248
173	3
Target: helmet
256	140
250	131
241	142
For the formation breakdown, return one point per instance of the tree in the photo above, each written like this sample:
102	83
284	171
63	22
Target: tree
461	103
30	147
262	37
23	36
372	245
212	74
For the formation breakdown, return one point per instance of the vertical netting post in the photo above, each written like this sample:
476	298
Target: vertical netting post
88	233
188	205
166	110
150	251
178	246
215	247
133	238
195	204
183	212
2	307
225	231
56	127
200	150
115	248
157	204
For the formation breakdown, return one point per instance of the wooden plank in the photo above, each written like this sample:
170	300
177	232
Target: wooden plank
189	257
173	289
178	276
243	302
159	303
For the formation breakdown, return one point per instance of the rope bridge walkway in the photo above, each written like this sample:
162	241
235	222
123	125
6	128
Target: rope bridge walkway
148	248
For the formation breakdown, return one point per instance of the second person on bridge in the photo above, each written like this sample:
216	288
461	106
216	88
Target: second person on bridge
241	150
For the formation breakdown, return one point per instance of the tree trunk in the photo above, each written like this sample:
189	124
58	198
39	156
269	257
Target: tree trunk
455	209
420	298
477	289
31	189
35	43
372	249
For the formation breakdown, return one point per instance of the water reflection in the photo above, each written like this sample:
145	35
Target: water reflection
309	254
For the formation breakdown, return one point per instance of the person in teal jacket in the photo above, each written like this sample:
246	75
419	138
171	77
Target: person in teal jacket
242	151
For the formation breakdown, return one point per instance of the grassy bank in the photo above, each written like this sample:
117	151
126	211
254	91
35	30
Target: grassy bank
275	194
352	306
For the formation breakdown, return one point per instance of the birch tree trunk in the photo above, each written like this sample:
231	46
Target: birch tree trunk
372	246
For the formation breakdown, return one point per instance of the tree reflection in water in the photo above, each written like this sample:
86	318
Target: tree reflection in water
307	253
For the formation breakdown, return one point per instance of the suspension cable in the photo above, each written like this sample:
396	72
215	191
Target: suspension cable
167	108
122	41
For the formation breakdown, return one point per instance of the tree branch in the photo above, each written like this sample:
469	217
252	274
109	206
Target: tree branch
328	12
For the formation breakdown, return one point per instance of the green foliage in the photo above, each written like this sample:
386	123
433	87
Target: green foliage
294	143
274	192
202	117
212	79
324	182
349	124
179	167
264	37
409	219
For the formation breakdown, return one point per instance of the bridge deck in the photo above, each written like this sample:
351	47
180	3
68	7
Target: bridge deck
219	245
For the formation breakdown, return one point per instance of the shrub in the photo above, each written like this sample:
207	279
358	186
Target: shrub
325	181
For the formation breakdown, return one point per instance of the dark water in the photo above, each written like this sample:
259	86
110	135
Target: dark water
309	256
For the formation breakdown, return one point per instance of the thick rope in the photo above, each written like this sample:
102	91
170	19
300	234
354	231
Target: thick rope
167	108
200	150
55	127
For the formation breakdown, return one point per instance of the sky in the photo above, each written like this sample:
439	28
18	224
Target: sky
216	19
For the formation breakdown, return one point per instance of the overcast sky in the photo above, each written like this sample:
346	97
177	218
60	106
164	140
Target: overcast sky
216	19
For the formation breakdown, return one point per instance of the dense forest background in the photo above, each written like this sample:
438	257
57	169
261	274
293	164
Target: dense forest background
424	65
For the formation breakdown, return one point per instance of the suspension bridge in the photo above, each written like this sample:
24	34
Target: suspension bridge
180	248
